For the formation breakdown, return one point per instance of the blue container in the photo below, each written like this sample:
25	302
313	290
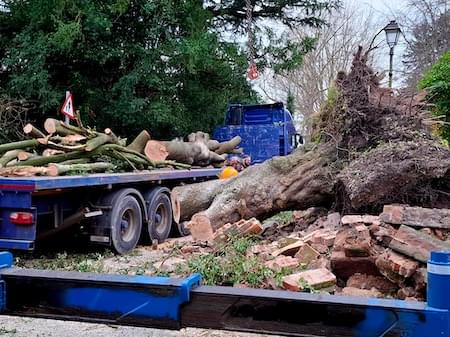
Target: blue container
438	291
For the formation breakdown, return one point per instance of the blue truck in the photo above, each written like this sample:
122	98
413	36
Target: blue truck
115	209
266	130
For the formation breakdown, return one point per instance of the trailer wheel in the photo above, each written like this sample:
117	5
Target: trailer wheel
159	214
125	221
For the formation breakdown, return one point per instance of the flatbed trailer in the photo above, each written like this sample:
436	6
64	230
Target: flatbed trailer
115	209
168	303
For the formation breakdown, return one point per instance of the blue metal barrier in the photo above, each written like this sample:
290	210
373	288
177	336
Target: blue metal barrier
175	303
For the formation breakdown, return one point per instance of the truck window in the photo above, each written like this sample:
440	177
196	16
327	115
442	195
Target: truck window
235	116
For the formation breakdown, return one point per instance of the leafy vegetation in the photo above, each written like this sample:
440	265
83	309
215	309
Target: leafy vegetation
91	262
230	265
162	65
437	82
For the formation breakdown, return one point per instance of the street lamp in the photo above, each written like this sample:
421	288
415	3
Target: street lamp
392	34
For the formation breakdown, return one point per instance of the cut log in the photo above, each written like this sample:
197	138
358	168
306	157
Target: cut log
22	171
58	169
23	155
23	144
176	206
227	147
32	131
112	135
139	143
51	152
416	244
188	153
416	216
8	156
213	145
54	126
192	201
155	150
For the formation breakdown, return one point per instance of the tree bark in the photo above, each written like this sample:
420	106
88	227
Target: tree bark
23	144
54	126
194	198
139	143
228	147
32	131
22	171
59	169
299	181
8	156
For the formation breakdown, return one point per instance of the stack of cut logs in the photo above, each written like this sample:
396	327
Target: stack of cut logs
67	149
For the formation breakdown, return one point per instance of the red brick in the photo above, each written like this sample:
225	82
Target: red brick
420	279
322	249
306	254
344	267
201	229
395	266
363	231
392	214
321	262
315	278
356	248
282	262
289	250
371	219
351	219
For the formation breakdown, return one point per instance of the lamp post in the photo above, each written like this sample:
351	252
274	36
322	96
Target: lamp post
392	34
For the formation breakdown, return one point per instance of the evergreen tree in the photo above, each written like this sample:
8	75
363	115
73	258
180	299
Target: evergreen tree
133	64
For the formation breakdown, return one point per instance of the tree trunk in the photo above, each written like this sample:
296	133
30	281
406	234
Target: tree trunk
368	151
139	143
194	198
299	181
155	150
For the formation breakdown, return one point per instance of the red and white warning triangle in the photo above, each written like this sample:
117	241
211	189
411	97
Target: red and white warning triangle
67	108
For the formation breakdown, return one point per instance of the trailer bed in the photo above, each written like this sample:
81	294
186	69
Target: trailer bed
34	184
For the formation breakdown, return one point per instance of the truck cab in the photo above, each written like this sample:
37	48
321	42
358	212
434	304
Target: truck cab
267	130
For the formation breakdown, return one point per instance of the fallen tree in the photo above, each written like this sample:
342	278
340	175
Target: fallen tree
370	147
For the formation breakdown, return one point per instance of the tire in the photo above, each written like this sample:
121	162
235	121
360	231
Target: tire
124	221
159	214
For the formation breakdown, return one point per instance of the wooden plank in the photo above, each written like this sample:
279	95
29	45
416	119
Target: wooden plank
416	216
416	244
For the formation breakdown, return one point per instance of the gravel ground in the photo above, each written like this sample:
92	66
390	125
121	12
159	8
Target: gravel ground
34	327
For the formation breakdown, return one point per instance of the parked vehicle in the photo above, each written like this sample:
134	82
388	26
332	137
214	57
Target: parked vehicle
267	130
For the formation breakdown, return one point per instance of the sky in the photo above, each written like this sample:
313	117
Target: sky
384	11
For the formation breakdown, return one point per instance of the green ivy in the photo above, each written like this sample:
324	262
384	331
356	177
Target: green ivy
437	82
